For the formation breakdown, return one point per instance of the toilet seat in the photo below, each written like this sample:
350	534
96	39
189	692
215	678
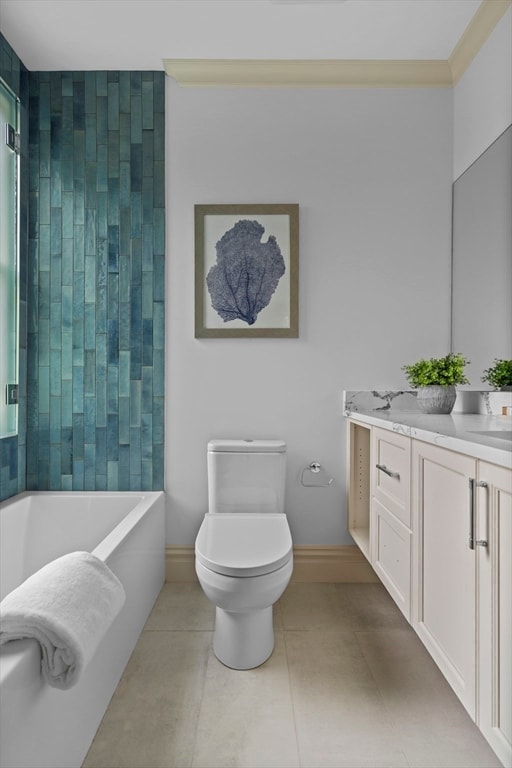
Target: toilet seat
244	544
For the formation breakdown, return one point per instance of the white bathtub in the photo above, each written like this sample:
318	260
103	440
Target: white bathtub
40	726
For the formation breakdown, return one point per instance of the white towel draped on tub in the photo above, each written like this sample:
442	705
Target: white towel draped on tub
67	606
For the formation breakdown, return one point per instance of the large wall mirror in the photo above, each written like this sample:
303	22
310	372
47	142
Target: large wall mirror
482	259
9	173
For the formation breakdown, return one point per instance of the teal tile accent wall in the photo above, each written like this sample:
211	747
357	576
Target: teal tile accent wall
95	370
13	449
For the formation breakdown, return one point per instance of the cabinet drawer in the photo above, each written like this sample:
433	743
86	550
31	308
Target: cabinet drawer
391	548
391	459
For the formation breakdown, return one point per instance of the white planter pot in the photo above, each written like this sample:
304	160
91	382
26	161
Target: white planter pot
436	399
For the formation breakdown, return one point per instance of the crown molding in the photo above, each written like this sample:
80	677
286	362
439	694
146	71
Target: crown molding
312	73
343	73
475	35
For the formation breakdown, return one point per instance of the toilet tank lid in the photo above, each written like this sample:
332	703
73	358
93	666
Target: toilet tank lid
247	446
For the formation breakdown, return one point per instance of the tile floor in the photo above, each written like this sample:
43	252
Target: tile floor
349	685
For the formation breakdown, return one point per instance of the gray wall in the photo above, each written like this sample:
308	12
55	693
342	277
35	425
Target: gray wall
372	172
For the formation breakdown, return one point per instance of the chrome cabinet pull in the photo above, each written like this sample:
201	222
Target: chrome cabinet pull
471	540
387	471
473	485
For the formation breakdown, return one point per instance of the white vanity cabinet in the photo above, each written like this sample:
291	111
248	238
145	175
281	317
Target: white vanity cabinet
462	591
494	602
436	525
391	514
444	565
379	510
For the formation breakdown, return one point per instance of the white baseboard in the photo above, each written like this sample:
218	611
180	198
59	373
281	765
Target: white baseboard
331	564
180	564
310	564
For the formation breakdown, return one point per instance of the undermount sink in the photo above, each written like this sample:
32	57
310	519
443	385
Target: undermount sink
501	434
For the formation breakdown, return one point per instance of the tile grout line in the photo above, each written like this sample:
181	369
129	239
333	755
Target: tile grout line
285	632
184	630
200	707
396	734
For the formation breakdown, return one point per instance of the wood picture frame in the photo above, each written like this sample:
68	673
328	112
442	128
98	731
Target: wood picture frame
246	270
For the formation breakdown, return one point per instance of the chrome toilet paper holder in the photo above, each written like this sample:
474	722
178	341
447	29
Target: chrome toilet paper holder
317	474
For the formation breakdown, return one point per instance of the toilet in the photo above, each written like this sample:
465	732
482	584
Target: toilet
244	554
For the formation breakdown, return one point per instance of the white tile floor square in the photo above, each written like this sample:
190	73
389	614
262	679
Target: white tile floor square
349	685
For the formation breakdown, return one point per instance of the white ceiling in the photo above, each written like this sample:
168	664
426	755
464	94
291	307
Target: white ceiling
139	34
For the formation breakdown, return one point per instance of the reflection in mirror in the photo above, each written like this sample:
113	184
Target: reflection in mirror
482	260
9	169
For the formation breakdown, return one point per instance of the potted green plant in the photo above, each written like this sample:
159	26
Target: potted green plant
499	376
435	380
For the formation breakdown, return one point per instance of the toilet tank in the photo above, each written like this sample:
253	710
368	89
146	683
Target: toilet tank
246	475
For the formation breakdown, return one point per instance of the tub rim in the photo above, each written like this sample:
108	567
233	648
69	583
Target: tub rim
113	539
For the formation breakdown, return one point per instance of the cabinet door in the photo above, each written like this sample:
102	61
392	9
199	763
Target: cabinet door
495	608
391	555
391	472
444	590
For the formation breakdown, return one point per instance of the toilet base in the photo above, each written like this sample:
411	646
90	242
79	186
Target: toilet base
243	640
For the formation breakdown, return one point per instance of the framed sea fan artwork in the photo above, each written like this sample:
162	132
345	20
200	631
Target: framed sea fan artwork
246	270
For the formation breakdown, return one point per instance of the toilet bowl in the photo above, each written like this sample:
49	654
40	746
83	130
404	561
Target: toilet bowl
244	551
244	563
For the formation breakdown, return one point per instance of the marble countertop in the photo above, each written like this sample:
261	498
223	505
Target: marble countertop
462	432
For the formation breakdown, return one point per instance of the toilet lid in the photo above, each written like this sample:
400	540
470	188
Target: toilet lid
244	544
